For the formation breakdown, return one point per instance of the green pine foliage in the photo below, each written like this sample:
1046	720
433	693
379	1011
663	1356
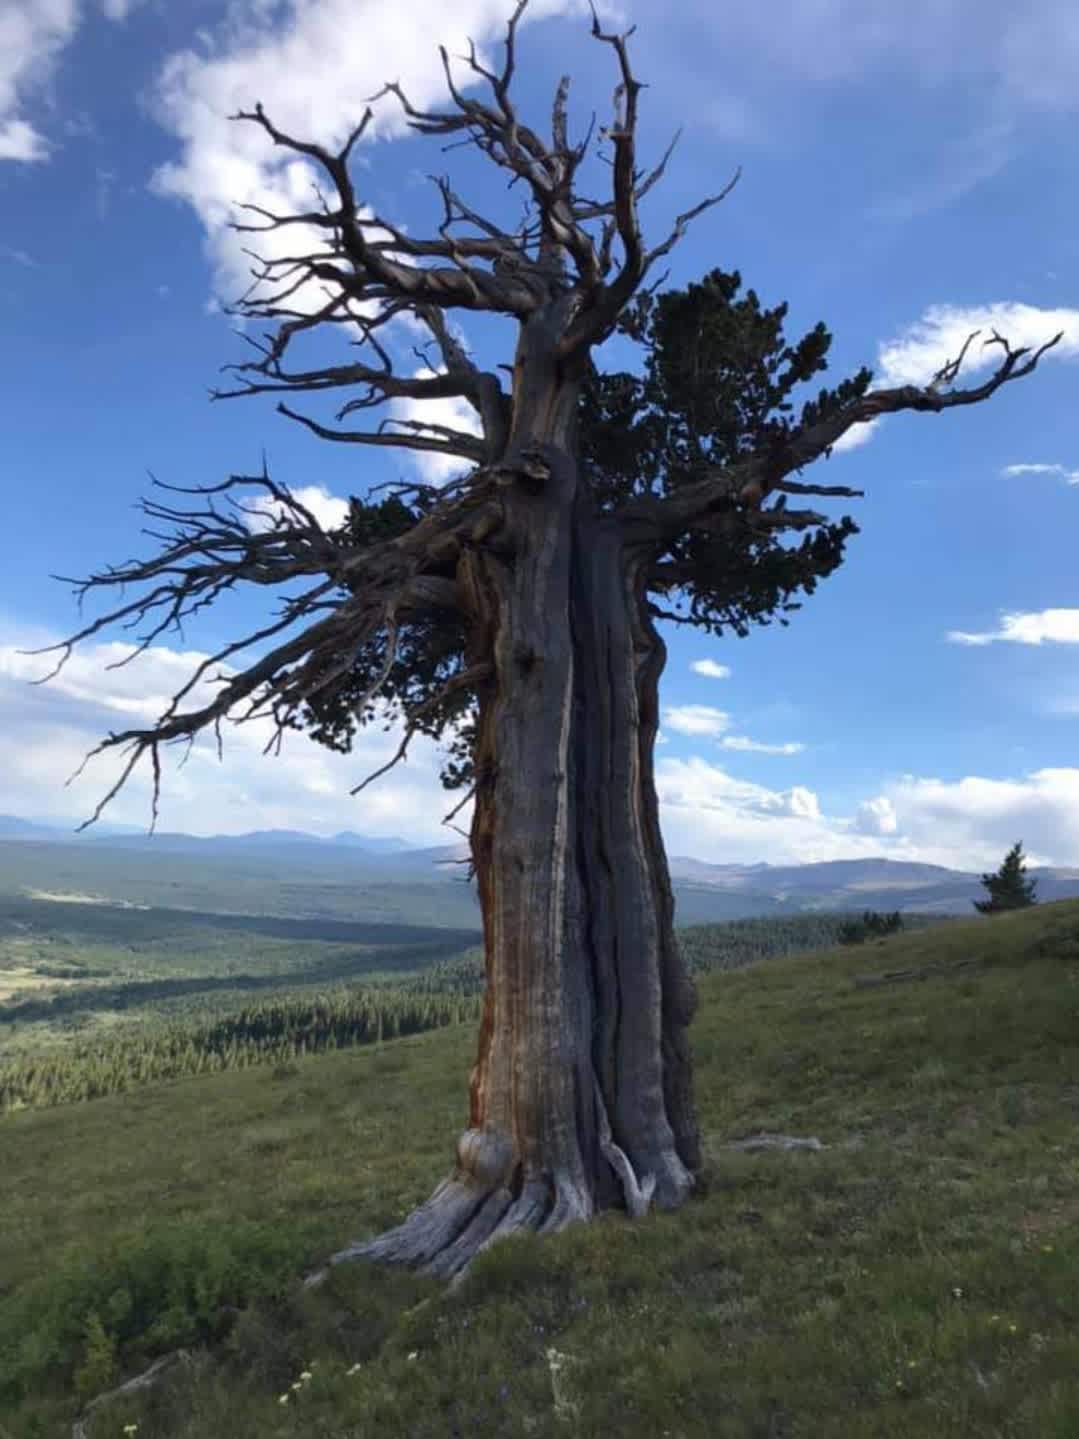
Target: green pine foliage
281	1026
1008	888
871	926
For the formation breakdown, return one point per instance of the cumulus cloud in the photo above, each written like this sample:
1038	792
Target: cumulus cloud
964	824
710	813
876	816
982	817
46	730
1059	471
711	669
268	53
1030	628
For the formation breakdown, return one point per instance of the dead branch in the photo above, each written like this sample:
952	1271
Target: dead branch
361	593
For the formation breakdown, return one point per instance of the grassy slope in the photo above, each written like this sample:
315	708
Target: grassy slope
918	1278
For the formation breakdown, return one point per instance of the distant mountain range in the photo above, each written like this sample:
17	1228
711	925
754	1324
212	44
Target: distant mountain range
12	827
704	892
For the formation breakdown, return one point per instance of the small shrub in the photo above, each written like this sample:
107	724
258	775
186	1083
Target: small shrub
98	1367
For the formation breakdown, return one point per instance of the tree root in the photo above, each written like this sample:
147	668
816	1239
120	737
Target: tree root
638	1193
774	1141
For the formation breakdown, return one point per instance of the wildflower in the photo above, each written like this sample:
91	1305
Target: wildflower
958	1293
415	1354
283	1399
131	1428
1013	1328
912	1363
994	1318
305	1374
1047	1249
355	1369
296	1386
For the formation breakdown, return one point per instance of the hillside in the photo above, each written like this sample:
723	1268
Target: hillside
915	1277
350	876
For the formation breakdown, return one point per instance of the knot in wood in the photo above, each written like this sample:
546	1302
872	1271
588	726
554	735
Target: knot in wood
486	1155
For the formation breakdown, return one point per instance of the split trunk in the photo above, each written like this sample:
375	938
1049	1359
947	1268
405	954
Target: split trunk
581	1095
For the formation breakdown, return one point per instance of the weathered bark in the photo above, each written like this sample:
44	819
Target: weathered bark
580	1098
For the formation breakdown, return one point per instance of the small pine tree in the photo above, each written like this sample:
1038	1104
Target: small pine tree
1008	888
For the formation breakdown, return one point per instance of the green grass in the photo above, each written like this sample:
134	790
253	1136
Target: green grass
919	1277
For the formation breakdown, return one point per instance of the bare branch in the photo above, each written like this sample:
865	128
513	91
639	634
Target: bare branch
464	679
461	446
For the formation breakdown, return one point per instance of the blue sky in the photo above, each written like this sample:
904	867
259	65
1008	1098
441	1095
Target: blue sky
908	175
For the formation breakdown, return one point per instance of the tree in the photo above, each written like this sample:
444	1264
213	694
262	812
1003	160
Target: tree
514	611
1008	888
871	924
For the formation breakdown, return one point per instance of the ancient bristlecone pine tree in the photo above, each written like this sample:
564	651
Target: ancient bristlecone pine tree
514	611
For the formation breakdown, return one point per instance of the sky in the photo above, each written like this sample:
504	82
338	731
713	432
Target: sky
908	175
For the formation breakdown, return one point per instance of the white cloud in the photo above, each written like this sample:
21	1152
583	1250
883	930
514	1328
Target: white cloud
695	719
711	669
32	35
914	356
453	412
981	818
708	813
268	53
46	730
739	742
1060	471
876	817
119	9
856	436
328	510
1031	628
964	824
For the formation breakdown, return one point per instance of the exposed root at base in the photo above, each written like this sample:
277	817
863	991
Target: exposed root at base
464	1218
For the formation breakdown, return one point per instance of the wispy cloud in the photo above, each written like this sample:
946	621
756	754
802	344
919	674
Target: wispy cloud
754	746
1026	628
1060	471
953	170
19	257
32	35
695	719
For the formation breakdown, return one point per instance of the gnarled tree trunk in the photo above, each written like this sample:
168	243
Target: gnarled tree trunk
580	1098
